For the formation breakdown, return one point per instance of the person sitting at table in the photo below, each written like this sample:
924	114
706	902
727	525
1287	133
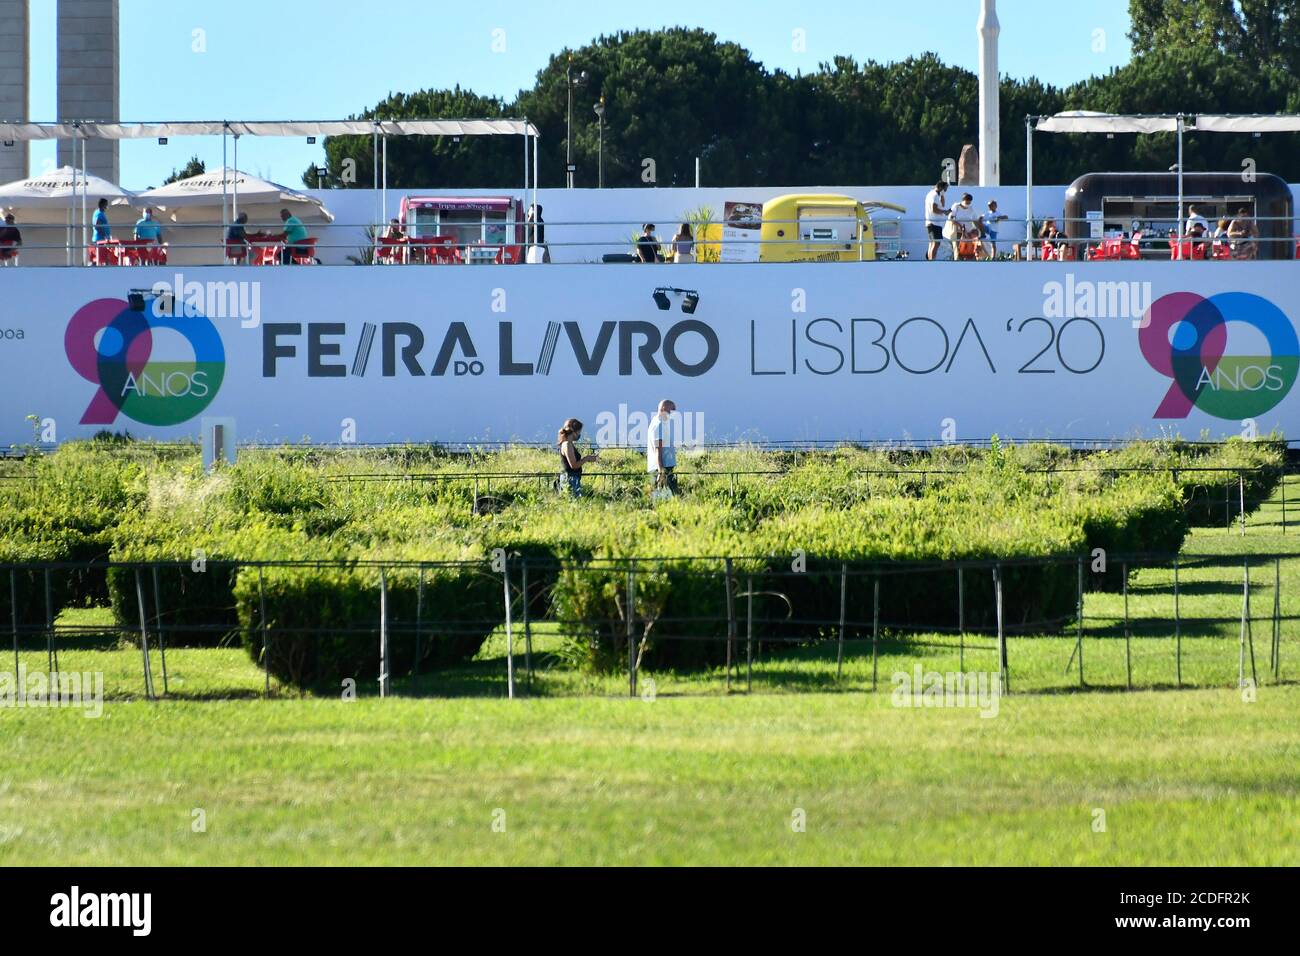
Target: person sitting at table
10	240
148	229
292	237
1198	227
103	232
395	232
1244	236
647	245
237	237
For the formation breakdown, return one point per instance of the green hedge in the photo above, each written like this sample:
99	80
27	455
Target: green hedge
322	625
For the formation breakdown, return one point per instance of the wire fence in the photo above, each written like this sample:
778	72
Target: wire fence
705	624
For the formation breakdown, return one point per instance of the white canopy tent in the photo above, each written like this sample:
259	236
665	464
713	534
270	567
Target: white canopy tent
379	130
53	198
189	199
1246	123
1088	121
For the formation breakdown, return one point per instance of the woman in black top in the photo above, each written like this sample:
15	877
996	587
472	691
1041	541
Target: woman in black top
570	460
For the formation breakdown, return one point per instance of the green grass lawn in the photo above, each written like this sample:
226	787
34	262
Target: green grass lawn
579	773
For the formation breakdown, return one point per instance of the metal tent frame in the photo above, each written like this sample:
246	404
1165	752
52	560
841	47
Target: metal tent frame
379	130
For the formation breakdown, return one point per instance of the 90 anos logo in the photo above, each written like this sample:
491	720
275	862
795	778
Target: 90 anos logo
154	368
1233	355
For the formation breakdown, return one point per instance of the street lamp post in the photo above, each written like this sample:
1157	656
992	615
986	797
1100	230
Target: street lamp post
600	122
570	81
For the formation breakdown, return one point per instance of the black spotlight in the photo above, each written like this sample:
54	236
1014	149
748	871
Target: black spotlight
162	140
689	301
661	299
135	300
311	140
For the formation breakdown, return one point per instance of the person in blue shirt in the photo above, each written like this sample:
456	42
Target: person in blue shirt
148	228
102	230
294	234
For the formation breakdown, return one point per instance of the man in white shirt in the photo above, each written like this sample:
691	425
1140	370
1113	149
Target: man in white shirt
661	446
935	214
1198	228
967	220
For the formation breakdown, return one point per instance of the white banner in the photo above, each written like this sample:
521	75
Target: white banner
778	352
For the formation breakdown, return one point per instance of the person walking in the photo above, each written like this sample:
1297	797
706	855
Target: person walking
571	461
935	217
661	446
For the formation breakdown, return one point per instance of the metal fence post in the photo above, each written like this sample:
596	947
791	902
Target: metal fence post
1250	631
1078	644
528	626
266	637
162	633
961	619
1178	627
419	617
1276	652
13	616
510	635
630	614
1241	641
1128	641
1004	670
1241	498
51	653
144	637
731	617
844	591
383	634
749	634
875	628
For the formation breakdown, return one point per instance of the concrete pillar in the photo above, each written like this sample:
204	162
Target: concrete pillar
88	77
990	122
14	72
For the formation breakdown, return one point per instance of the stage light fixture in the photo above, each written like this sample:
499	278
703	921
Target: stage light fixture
135	299
661	299
689	301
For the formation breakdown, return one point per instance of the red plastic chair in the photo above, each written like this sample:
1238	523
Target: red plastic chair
1131	249
391	251
8	253
106	252
236	251
1221	250
307	259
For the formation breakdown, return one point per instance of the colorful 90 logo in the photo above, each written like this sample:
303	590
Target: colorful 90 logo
1232	355
154	369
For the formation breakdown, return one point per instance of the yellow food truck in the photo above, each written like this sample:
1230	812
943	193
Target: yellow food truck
817	227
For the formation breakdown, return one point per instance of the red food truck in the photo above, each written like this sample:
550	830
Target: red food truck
468	229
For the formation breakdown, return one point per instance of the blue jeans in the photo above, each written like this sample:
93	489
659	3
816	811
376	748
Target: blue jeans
575	485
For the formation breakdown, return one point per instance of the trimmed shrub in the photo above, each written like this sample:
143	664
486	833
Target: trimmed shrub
322	625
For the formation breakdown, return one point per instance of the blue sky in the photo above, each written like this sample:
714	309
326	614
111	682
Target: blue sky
325	59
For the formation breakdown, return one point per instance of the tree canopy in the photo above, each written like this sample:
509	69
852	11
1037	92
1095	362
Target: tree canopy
677	94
